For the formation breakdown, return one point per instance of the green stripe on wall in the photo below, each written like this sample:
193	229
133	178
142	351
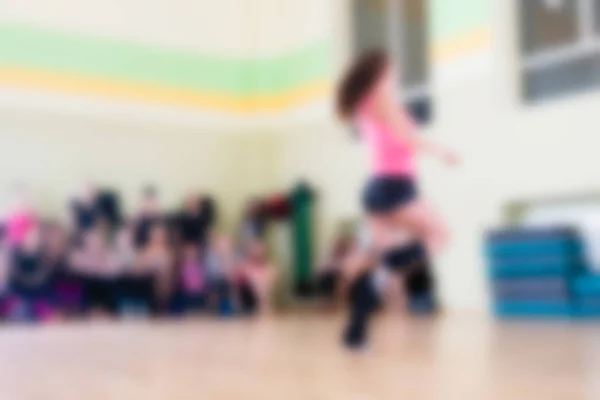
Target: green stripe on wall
451	18
37	48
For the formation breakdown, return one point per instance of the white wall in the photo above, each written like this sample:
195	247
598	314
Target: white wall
233	28
238	30
52	141
52	154
191	25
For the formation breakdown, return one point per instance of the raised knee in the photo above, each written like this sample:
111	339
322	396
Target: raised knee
403	257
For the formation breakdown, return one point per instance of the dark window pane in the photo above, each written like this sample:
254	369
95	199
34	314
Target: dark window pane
370	24
548	23
413	50
572	76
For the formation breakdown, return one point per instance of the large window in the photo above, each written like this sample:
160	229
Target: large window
400	26
560	45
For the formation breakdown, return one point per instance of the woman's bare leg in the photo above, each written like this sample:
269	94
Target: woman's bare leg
422	219
416	220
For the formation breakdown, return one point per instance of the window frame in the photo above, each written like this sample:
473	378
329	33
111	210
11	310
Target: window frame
587	44
396	45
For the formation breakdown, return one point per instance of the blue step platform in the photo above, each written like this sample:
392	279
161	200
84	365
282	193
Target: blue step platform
531	271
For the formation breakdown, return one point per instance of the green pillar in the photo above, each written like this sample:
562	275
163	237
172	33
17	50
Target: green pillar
302	230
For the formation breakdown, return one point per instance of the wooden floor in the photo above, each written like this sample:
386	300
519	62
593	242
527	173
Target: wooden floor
299	357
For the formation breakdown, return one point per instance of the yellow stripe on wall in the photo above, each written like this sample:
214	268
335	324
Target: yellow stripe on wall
462	45
160	95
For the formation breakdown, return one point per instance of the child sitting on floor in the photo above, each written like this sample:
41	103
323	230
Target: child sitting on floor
4	273
67	288
193	288
20	219
155	264
30	282
220	264
98	266
256	279
329	273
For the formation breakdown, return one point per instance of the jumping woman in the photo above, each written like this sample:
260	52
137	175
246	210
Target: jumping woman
403	227
368	97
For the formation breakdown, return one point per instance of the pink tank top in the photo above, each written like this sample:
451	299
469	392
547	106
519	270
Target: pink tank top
390	156
193	279
18	226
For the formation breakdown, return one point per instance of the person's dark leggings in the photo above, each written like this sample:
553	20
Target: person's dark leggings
363	303
248	299
100	294
420	289
327	284
136	295
413	261
222	292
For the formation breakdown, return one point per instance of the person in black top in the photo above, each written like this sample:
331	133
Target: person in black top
29	281
97	263
148	217
84	211
193	223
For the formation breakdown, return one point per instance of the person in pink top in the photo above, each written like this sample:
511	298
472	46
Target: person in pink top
20	219
193	280
18	225
367	97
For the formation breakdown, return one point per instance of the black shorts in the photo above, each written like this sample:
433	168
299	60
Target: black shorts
100	293
405	257
384	194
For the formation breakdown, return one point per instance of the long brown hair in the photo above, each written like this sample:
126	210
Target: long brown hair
358	80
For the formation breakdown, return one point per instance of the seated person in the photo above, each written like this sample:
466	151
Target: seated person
220	263
329	271
256	279
254	221
134	294
29	282
5	255
147	217
20	218
108	206
67	289
85	214
97	264
124	248
192	288
193	223
154	265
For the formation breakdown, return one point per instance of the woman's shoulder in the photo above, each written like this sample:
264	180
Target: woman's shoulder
369	122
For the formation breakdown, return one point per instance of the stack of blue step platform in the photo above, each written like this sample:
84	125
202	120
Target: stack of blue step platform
533	271
586	295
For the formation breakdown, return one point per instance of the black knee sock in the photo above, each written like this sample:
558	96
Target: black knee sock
404	257
420	289
363	302
356	331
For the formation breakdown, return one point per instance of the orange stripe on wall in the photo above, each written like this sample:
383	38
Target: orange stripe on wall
462	45
86	86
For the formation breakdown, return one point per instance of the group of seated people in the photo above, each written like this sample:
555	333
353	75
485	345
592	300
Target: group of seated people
104	265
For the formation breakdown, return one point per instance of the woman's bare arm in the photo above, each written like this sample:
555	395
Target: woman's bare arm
403	128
